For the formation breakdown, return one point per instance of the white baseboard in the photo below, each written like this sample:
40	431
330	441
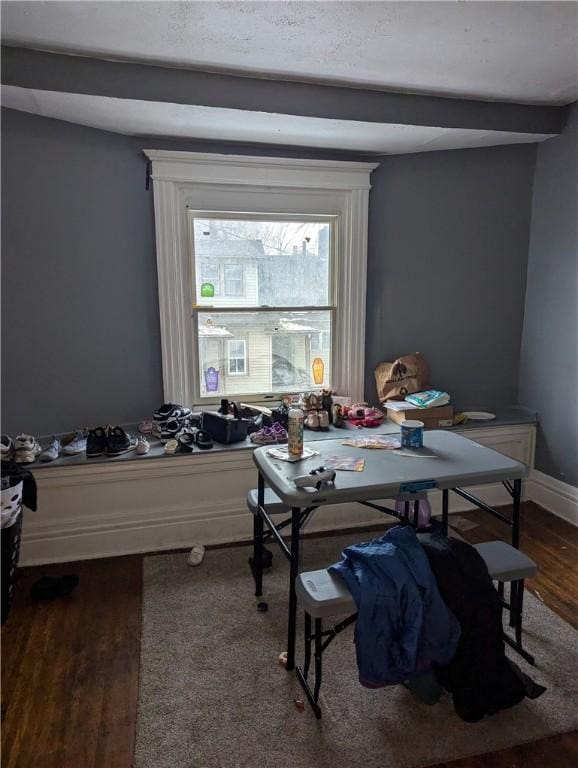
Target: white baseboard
557	497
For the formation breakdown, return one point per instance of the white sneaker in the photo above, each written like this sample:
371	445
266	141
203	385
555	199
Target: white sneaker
142	446
196	555
26	449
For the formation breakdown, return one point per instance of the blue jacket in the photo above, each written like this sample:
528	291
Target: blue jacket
403	624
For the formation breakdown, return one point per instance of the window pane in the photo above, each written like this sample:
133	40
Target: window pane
263	263
255	353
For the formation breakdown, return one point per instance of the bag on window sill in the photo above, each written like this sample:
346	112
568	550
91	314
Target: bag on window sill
404	376
226	428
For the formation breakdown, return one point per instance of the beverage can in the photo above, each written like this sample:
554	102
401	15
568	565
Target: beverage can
295	431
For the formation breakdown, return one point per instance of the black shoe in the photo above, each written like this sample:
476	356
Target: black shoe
170	429
51	587
97	442
120	442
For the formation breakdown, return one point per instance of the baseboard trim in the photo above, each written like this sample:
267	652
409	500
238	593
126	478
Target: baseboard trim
555	496
135	532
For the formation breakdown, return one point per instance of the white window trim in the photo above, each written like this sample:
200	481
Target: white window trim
176	173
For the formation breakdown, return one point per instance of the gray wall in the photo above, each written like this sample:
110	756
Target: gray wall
80	318
80	327
447	268
549	357
447	257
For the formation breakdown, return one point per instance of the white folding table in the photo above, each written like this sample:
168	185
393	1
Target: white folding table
447	462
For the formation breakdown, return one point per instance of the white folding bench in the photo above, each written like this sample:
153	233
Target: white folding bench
323	595
507	564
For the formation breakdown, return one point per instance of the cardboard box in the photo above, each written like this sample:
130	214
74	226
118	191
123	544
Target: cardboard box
442	416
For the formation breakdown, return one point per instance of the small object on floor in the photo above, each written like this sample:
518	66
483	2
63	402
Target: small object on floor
52	587
262	607
196	555
171	447
50	453
26	449
283	659
300	704
146	427
143	446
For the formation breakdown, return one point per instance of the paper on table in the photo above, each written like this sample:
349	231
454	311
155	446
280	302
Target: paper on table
349	463
284	455
384	442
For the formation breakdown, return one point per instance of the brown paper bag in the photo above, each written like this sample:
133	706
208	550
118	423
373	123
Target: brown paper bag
404	376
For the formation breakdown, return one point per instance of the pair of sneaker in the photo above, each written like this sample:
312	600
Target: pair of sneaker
72	444
318	421
24	449
112	441
169	420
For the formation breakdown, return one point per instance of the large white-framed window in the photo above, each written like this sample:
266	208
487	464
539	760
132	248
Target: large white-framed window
187	184
279	273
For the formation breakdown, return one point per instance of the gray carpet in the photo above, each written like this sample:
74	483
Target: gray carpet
212	694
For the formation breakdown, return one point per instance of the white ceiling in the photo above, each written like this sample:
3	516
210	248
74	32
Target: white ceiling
513	51
133	117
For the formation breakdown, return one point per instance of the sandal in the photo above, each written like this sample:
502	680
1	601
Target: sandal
204	440
171	447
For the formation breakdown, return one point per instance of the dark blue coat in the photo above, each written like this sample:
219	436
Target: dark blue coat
403	624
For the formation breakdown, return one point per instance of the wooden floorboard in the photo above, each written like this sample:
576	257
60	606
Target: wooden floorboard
70	667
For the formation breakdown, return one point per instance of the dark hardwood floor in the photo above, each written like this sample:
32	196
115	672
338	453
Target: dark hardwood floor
70	668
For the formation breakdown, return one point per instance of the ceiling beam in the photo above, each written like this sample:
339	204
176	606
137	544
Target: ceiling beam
128	80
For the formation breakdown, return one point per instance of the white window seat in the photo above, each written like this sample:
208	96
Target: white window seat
103	507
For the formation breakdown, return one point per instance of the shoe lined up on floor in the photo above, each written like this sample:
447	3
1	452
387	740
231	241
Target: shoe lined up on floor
26	449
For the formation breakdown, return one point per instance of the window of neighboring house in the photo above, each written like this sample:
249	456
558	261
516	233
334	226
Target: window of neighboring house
234	280
237	357
211	273
319	343
283	242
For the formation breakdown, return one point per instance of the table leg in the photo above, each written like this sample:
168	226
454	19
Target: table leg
293	573
258	538
516	497
445	511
